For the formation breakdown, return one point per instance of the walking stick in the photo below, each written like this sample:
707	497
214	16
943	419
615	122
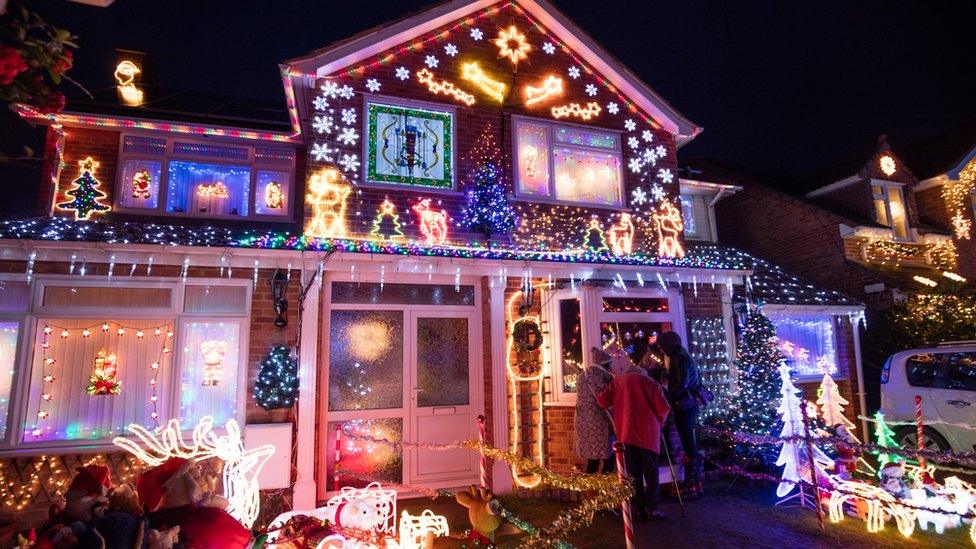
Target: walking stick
674	478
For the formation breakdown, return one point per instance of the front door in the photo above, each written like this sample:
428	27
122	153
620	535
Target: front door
400	372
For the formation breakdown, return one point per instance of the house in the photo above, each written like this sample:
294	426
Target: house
415	302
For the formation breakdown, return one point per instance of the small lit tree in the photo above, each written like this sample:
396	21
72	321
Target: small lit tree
794	456
86	196
488	210
277	384
594	238
886	439
758	384
386	224
832	404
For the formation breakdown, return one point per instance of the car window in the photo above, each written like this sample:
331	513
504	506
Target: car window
961	371
923	370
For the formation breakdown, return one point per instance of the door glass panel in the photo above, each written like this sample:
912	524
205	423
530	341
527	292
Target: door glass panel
360	461
571	343
366	360
633	337
961	372
442	361
923	370
408	294
635	305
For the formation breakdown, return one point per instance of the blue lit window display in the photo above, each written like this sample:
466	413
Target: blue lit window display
807	342
214	189
140	184
271	197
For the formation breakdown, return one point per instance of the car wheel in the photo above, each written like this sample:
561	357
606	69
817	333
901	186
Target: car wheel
907	437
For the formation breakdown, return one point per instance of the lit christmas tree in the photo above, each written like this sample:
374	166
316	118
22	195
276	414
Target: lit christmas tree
488	210
886	438
386	224
758	384
593	237
86	194
832	404
277	383
793	454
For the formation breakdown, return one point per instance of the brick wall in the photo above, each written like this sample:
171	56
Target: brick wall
934	211
854	198
568	223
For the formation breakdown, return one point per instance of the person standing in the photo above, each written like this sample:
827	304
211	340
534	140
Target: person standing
639	409
684	383
591	423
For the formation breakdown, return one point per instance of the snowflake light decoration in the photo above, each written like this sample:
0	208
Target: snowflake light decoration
346	92
888	165
961	226
590	90
321	103
349	116
402	73
549	48
431	61
648	136
638	196
665	176
633	142
348	136
613	107
630	125
373	85
573	72
661	151
450	50
477	35
323	124
657	192
330	89
635	165
512	44
349	162
322	152
649	156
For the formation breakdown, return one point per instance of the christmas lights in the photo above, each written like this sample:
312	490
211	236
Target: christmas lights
426	77
386	224
590	110
414	528
432	223
667	221
240	466
961	226
327	196
793	455
757	362
622	235
86	193
473	73
512	44
552	86
887	165
103	380
125	74
276	385
488	210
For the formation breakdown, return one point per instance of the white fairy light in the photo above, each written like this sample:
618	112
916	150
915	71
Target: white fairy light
149	265
257	262
186	269
30	265
132	269
71	267
457	280
382	276
111	267
660	279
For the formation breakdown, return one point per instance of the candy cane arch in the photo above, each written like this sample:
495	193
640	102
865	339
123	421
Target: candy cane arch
618	452
485	480
919	430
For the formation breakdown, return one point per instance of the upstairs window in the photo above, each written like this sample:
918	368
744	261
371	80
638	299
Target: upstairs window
210	180
889	207
566	163
694	213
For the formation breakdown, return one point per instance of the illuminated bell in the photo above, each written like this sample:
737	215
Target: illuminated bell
105	327
64	334
85	332
158	332
154	365
48	329
140	333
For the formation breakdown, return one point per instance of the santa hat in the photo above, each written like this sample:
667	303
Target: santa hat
91	479
150	483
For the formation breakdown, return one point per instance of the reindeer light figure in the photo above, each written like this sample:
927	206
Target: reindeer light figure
669	228
327	196
433	223
622	236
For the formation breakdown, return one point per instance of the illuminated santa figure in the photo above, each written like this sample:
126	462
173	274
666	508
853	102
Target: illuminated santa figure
213	355
142	184
103	381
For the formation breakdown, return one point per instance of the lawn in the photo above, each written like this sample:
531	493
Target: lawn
743	517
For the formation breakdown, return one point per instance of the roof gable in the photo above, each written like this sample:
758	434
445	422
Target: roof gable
459	17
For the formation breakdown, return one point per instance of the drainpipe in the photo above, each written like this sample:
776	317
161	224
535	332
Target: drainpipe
861	398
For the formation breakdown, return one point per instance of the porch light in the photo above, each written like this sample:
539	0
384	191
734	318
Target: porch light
279	288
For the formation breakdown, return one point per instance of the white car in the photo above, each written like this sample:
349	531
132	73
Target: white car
945	377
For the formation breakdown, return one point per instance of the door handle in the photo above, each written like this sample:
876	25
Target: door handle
957	403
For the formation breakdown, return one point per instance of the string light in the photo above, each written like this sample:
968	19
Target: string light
327	194
512	44
424	76
552	86
86	194
473	73
575	110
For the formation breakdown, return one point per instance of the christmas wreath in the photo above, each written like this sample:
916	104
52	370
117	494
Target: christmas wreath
526	335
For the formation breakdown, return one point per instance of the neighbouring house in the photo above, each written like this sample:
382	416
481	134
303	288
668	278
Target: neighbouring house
420	294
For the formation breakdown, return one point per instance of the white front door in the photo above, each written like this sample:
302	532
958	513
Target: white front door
400	372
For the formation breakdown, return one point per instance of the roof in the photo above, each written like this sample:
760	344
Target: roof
339	55
174	105
772	284
948	151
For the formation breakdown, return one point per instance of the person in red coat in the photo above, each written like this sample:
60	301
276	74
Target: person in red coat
639	411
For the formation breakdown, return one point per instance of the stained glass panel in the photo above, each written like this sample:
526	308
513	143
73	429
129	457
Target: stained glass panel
409	146
365	360
442	361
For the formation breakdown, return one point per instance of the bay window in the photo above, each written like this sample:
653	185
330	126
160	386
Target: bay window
103	355
889	207
212	180
566	163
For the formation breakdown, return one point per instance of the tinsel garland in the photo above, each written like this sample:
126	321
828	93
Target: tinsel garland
603	492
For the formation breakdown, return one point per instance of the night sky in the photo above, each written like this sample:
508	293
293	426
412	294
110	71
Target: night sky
786	87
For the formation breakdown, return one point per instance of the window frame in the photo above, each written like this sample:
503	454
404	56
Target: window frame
399	102
11	443
551	126
164	178
708	235
886	186
591	311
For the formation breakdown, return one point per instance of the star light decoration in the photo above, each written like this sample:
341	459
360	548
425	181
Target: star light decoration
402	73
633	142
320	103
665	175
349	162
648	136
348	136
961	226
657	192
512	44
240	466
348	116
630	125
638	196
322	153
590	90
323	124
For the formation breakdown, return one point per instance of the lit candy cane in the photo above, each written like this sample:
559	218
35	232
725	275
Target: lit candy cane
618	451
485	481
919	433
